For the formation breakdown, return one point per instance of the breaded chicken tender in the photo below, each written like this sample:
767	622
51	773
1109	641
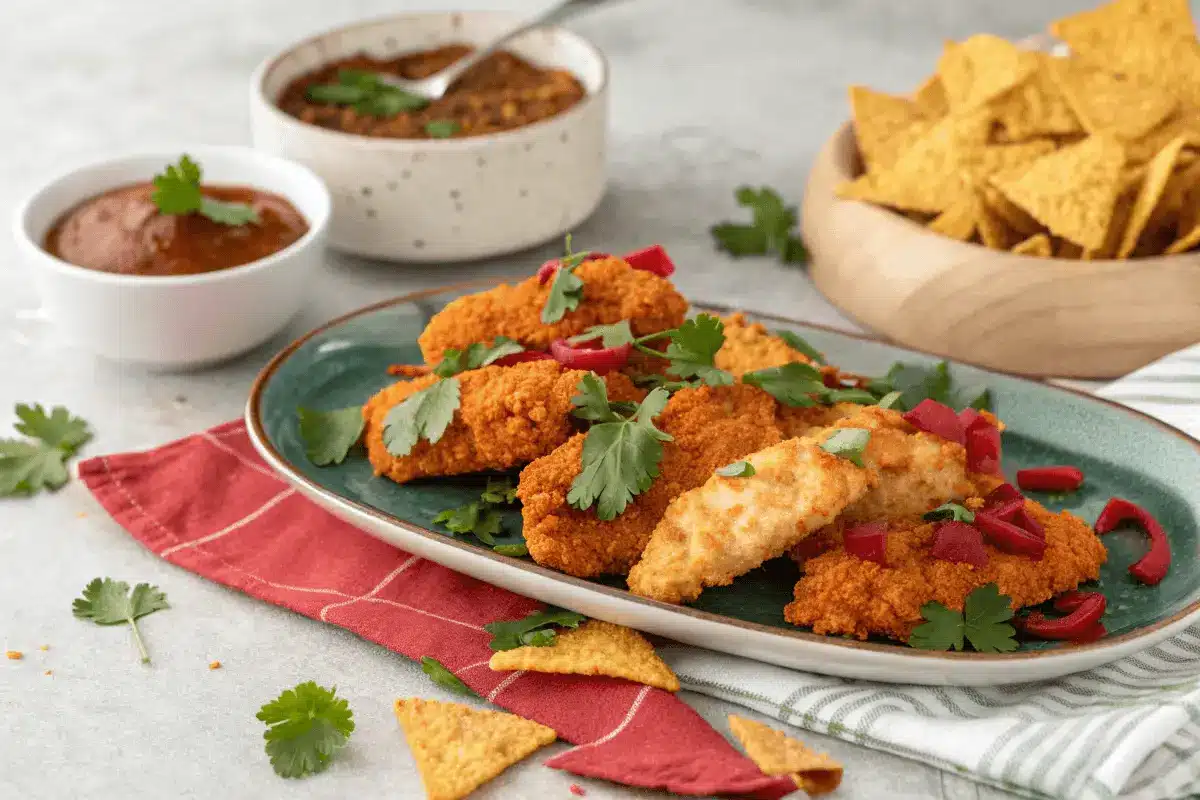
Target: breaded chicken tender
612	291
727	527
711	427
507	416
749	346
842	594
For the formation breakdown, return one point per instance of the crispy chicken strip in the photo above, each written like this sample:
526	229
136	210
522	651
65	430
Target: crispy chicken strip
507	416
729	526
749	346
612	291
711	427
842	594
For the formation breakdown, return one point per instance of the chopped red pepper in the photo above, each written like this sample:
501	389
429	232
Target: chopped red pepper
960	542
1069	601
1079	623
1007	510
1097	631
983	446
548	268
1024	520
940	420
1002	494
967	416
577	790
1153	566
652	259
598	360
521	358
867	541
1010	538
1050	479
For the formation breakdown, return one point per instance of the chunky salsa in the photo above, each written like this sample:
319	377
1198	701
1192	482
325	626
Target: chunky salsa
502	92
124	231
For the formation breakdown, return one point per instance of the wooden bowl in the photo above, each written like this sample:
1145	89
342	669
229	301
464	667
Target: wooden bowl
1022	314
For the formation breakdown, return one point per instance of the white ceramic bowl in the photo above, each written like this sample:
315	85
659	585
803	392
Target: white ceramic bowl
447	199
175	321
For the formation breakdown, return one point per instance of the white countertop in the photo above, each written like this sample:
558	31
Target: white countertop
707	95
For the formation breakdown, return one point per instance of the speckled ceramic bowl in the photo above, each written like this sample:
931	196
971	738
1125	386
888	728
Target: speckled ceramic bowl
453	199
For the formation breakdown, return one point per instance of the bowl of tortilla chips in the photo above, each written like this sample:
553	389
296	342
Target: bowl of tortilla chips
1032	207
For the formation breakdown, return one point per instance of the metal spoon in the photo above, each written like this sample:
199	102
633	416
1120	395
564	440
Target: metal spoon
436	85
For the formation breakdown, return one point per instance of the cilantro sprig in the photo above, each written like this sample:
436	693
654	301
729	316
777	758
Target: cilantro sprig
366	93
849	443
109	602
620	453
566	290
443	677
613	335
983	622
475	356
40	462
769	231
801	385
952	511
442	128
328	436
691	351
481	518
915	383
306	725
801	345
177	192
535	630
425	414
738	469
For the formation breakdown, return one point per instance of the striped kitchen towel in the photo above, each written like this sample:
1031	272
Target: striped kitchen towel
1128	730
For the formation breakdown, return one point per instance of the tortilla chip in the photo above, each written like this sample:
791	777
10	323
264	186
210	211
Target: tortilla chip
884	126
1124	106
1037	245
957	222
1149	194
1179	124
1189	224
1071	191
458	748
776	753
1181	182
1064	248
994	232
1036	107
1014	217
1123	34
930	98
594	648
981	69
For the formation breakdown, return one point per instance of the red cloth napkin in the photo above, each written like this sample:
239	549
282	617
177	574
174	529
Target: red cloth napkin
209	504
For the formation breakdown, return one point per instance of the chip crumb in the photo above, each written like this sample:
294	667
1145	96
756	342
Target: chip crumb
81	515
776	753
214	665
48	672
13	655
578	790
44	647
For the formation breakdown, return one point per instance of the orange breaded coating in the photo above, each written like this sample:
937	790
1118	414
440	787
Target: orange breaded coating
507	416
842	594
711	426
749	346
612	291
801	420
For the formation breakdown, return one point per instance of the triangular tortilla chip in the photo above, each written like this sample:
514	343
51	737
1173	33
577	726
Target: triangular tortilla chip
1071	191
1036	107
1122	211
1124	106
994	232
1188	227
930	98
982	68
1037	245
1014	217
594	648
1065	248
458	748
1181	182
1149	194
775	753
1125	34
957	222
884	125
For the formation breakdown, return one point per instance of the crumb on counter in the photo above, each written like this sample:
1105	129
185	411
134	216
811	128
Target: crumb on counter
214	665
43	647
80	515
13	655
48	672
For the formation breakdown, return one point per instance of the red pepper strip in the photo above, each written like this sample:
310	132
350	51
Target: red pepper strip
1001	494
959	542
1097	631
652	259
1069	601
1010	538
868	542
1007	510
1024	520
548	268
809	547
983	447
967	416
1050	479
1153	566
940	420
521	358
1079	622
597	360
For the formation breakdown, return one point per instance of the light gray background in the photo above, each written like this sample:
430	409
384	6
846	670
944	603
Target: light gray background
707	95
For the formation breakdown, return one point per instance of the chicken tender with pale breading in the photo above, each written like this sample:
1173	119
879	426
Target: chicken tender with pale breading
612	291
507	416
711	427
842	594
727	527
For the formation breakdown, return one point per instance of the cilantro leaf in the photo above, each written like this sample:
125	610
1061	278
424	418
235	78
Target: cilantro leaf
738	469
916	383
794	384
592	402
890	399
443	677
952	511
305	727
942	630
770	230
500	492
983	622
476	356
441	128
329	435
694	345
177	192
535	630
367	92
848	443
800	345
860	396
109	602
426	413
620	460
614	335
566	292
335	93
26	468
477	519
517	550
58	429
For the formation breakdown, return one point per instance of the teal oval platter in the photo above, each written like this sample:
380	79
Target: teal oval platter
1122	452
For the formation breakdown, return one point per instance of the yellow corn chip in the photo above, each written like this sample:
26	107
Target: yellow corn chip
1189	224
982	68
1037	245
1179	124
458	748
1181	182
1036	107
1124	106
1122	211
993	230
1149	194
1014	217
930	98
884	126
1124	34
1071	191
957	222
776	753
594	648
1064	248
